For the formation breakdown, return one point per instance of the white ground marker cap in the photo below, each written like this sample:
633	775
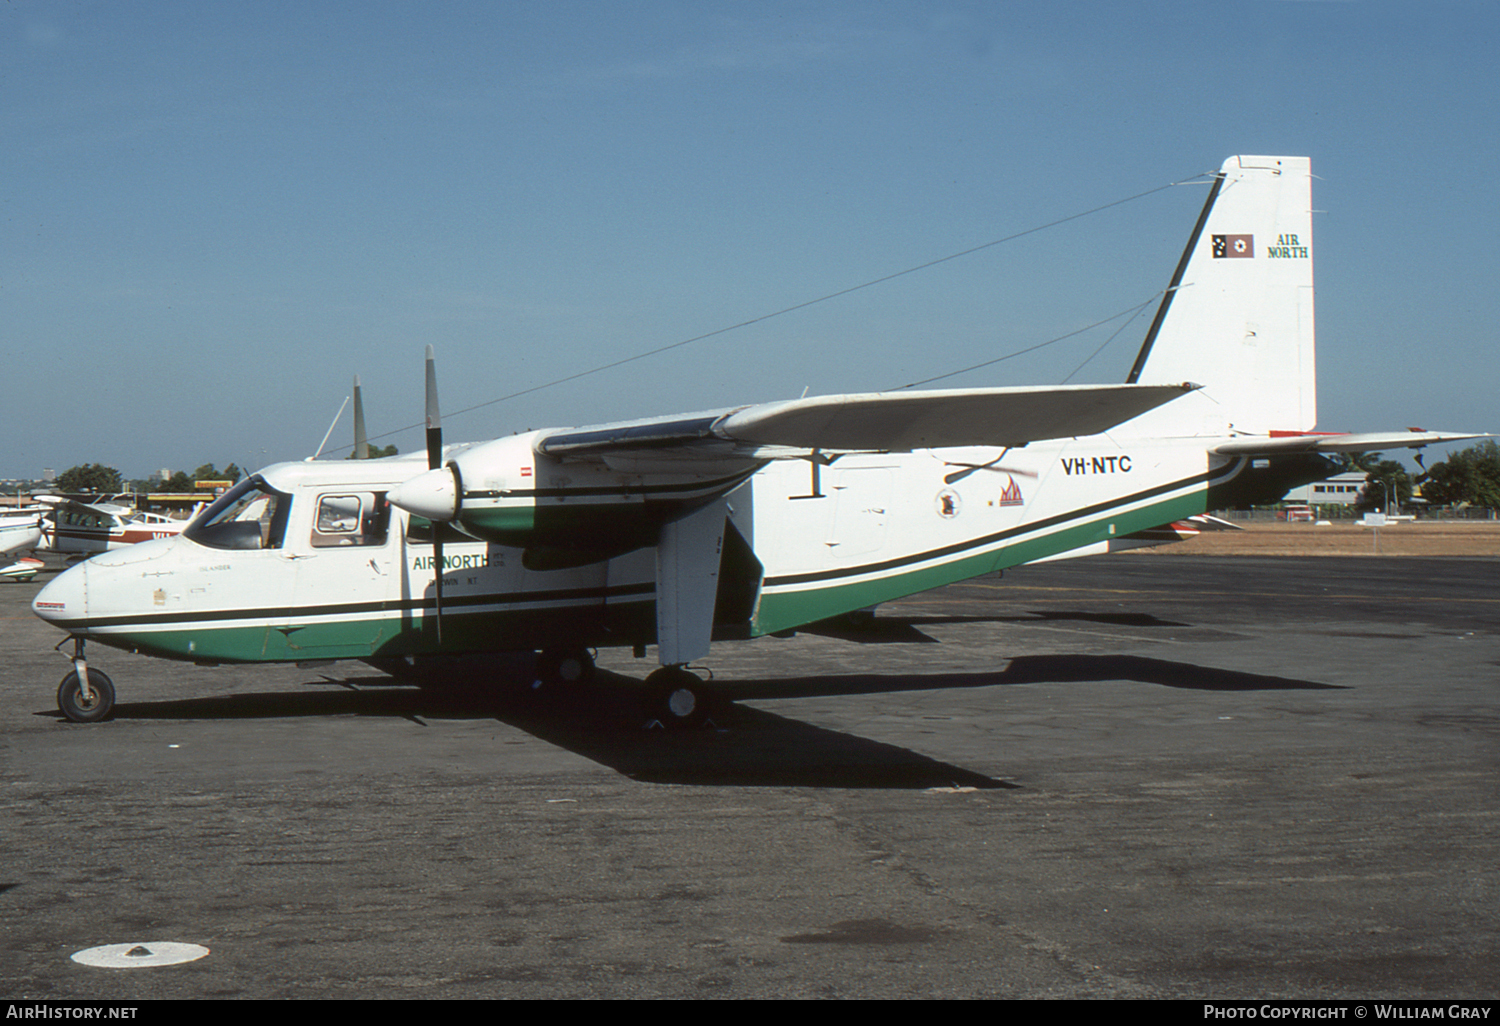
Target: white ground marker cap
146	955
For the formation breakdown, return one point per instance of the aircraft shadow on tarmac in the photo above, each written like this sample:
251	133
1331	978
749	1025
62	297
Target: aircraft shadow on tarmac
1037	669
740	746
907	630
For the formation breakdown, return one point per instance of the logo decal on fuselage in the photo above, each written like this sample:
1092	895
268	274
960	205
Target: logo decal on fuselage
1012	494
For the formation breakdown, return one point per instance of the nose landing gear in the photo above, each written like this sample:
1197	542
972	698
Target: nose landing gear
85	696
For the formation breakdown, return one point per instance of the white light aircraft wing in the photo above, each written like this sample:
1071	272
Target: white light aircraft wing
60	501
875	422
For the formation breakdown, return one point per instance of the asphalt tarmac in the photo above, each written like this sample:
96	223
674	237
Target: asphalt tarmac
1134	776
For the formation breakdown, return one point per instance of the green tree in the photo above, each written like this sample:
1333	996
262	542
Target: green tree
1470	476
1359	461
209	472
92	477
376	452
1386	482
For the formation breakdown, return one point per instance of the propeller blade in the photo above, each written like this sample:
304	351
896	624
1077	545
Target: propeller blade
434	418
434	461
437	580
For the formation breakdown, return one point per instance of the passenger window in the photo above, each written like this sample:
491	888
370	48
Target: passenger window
359	518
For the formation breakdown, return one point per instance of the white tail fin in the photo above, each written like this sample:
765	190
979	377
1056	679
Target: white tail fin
1238	318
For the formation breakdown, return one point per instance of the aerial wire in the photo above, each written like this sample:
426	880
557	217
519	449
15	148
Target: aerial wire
1113	335
1132	311
844	292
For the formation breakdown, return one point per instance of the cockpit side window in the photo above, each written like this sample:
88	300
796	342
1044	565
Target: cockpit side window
251	515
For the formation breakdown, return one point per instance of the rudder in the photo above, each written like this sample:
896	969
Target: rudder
1238	317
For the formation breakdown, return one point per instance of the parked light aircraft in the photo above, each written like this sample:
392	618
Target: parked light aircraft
21	528
85	527
748	521
24	569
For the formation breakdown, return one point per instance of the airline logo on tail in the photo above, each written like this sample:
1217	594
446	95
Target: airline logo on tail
1234	246
1287	248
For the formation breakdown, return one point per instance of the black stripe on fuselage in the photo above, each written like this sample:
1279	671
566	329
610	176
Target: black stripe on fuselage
450	603
989	539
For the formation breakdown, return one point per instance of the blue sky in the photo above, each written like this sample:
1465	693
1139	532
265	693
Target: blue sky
215	214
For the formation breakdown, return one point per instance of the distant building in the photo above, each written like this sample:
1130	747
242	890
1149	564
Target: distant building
1340	490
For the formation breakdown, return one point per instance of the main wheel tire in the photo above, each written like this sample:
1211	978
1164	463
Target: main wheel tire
565	666
70	697
676	698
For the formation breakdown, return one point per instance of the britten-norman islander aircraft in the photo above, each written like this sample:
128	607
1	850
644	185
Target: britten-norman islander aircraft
748	521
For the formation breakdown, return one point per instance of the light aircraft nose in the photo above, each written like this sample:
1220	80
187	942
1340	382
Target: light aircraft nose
433	495
65	598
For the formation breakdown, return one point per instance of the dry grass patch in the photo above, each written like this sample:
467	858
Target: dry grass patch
1408	538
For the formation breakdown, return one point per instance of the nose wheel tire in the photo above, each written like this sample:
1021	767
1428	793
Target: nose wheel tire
99	705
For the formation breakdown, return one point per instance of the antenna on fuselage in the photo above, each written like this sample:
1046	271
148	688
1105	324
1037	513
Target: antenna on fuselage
335	424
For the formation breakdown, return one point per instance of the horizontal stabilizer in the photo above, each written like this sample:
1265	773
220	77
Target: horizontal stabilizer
1368	442
879	421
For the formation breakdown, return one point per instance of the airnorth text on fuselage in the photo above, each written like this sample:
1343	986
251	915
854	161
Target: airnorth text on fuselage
462	561
1078	466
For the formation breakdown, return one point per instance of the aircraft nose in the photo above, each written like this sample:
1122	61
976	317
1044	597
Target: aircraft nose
65	598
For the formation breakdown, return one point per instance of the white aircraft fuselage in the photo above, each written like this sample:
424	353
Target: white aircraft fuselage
21	528
869	528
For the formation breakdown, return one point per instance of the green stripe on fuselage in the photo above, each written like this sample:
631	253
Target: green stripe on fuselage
784	610
623	619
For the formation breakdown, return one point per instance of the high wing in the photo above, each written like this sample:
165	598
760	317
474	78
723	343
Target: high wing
103	508
1369	442
868	422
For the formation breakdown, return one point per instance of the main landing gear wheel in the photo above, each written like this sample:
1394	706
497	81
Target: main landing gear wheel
99	705
676	697
565	666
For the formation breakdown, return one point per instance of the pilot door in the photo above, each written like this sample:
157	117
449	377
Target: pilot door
347	569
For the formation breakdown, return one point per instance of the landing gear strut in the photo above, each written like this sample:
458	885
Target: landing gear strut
85	696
